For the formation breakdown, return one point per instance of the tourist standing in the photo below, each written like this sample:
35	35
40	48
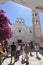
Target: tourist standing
18	51
13	51
31	47
26	53
36	49
6	45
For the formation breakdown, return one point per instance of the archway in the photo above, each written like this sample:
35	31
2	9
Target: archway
36	7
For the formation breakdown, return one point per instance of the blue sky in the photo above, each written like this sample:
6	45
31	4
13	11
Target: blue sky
14	10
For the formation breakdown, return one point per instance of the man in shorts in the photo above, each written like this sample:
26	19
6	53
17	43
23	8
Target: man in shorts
26	53
13	52
31	47
36	49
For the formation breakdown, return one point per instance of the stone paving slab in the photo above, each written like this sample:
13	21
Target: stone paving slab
32	60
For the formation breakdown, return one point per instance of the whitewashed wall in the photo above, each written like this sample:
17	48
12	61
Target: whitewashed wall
25	34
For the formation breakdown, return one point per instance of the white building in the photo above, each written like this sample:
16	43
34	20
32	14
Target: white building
21	32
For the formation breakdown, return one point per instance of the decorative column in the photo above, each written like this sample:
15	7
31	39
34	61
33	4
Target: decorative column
37	31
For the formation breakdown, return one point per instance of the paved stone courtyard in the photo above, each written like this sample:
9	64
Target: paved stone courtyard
32	60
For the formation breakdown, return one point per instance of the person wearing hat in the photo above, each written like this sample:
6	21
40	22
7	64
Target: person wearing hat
2	53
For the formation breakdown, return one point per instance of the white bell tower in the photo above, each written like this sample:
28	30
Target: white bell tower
37	31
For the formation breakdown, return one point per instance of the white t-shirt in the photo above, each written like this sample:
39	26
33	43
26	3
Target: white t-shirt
18	48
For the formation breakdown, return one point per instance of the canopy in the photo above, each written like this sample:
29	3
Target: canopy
28	3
